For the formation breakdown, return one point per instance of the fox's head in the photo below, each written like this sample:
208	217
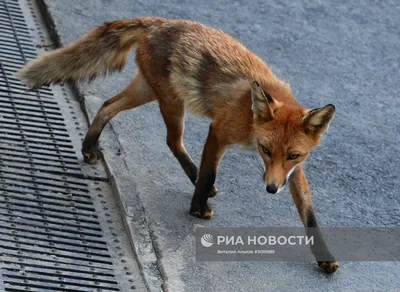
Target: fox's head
285	135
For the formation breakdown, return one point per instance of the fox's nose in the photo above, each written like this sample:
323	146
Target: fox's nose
272	189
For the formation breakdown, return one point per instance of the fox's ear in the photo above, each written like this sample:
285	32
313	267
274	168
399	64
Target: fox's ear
317	120
263	104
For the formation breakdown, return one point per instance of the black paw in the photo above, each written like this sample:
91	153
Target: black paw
91	156
329	266
201	210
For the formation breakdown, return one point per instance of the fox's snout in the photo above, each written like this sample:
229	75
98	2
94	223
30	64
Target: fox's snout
272	189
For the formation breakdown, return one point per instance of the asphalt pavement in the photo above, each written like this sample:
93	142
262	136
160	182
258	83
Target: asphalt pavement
340	52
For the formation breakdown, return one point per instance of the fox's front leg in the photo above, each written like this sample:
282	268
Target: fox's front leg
212	153
302	197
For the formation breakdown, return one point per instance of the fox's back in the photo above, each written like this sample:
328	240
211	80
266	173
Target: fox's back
196	63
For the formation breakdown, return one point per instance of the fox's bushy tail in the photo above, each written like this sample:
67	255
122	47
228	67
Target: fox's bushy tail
104	49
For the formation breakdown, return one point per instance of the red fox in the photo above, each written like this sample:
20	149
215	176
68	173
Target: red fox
184	64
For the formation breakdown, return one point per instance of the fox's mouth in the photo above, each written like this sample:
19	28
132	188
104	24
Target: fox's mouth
281	187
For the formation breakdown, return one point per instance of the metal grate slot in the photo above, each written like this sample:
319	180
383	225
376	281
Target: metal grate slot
46	154
37	121
14	127
24	102
26	98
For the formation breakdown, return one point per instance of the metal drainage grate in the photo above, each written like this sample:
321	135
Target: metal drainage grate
50	233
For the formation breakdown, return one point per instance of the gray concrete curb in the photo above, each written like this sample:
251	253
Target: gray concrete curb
135	220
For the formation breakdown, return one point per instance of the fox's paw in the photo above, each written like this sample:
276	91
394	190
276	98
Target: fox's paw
91	156
329	266
213	192
201	211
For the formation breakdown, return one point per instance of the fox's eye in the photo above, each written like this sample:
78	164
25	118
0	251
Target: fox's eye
265	150
293	156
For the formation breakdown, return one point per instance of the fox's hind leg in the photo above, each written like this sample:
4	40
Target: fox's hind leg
173	113
136	94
